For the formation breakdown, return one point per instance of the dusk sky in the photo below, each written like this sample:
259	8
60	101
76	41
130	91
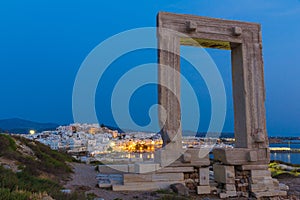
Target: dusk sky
44	42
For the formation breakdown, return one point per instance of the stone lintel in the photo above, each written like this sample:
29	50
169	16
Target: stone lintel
242	156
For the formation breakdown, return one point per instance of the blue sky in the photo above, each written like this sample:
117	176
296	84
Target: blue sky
43	44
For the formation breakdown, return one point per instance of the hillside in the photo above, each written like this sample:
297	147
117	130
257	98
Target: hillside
29	170
16	125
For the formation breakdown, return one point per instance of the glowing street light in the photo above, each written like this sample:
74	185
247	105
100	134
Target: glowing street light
32	132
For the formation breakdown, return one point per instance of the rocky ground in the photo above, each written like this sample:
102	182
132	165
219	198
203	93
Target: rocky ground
293	183
84	179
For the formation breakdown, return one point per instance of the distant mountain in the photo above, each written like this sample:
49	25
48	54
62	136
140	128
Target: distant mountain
16	125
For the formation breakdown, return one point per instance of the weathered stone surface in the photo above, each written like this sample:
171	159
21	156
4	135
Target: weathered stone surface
270	193
127	178
198	154
253	167
112	169
240	156
180	189
168	177
251	151
165	157
175	169
224	174
197	159
204	176
203	189
267	180
261	187
152	177
146	167
260	173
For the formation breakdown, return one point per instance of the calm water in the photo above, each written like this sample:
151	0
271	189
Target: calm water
293	158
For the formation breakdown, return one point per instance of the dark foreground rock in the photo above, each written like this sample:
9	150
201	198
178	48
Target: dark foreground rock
180	189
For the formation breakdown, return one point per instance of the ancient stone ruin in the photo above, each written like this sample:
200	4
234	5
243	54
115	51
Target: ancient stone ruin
240	171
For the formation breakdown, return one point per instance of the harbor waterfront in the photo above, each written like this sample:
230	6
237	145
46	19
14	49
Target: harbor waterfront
293	158
288	151
93	142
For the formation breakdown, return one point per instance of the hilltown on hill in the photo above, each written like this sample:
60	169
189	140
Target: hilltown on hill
100	143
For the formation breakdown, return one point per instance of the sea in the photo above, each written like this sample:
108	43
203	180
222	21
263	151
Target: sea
293	158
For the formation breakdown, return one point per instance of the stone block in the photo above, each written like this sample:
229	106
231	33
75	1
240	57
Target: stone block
166	157
168	177
204	176
196	161
136	187
113	169
175	169
252	167
240	156
261	179
203	189
271	193
224	173
128	178
260	173
145	167
260	187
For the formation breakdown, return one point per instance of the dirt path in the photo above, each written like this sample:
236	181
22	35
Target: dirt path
84	175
